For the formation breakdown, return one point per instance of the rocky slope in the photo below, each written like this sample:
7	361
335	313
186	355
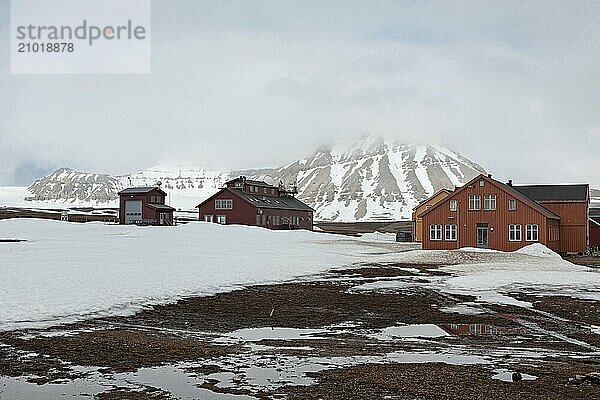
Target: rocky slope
370	179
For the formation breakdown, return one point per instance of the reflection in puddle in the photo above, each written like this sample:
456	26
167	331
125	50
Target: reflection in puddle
482	329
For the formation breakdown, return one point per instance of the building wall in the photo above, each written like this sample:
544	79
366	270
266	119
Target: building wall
573	224
147	212
594	233
498	220
418	221
244	213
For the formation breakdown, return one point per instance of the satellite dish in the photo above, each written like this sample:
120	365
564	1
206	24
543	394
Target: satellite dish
159	183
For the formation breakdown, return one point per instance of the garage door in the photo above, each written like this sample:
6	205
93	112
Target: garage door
133	211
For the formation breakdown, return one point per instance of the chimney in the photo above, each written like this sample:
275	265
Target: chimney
509	183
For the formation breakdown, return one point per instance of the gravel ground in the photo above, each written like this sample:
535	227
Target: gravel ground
340	350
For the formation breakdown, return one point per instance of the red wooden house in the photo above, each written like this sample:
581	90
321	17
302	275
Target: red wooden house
144	206
487	213
250	202
594	226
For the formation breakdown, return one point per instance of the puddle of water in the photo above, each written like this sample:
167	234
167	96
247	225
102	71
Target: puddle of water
507	376
463	309
430	357
258	334
176	381
19	388
410	331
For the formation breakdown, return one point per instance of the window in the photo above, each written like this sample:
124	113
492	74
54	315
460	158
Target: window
489	202
512	204
272	191
450	232
482	183
435	232
223	204
514	233
222	219
258	219
531	232
208	218
155	199
474	202
453	205
275	219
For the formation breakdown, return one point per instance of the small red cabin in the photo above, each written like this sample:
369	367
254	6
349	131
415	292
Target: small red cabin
144	206
250	202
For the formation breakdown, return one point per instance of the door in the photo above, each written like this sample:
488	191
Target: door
133	211
162	219
482	236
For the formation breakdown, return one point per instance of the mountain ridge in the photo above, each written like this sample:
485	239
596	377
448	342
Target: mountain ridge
369	179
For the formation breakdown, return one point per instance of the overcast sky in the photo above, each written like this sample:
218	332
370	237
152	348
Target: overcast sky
514	86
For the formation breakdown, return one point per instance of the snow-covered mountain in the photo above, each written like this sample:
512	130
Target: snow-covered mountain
370	179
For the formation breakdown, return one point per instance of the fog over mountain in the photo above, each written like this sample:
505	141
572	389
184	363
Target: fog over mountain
369	179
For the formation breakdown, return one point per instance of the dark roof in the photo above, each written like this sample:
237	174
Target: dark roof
578	192
273	202
141	190
160	207
595	212
534	204
250	182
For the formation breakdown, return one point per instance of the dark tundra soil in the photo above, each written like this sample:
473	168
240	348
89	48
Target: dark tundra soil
193	349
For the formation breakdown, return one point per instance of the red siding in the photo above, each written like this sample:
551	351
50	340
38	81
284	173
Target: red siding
573	224
244	213
498	220
594	233
147	212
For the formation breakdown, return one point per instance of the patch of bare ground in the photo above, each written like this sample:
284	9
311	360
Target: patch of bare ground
145	393
304	305
120	349
443	381
588	261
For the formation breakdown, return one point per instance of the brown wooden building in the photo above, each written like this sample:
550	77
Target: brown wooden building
421	207
144	206
572	203
594	227
490	214
249	202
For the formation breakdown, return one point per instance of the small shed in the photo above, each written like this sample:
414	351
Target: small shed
144	206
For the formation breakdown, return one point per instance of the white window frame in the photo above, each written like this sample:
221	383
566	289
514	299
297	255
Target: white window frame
450	232
222	219
208	218
489	202
530	230
510	203
453	205
474	202
435	232
223	204
516	229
